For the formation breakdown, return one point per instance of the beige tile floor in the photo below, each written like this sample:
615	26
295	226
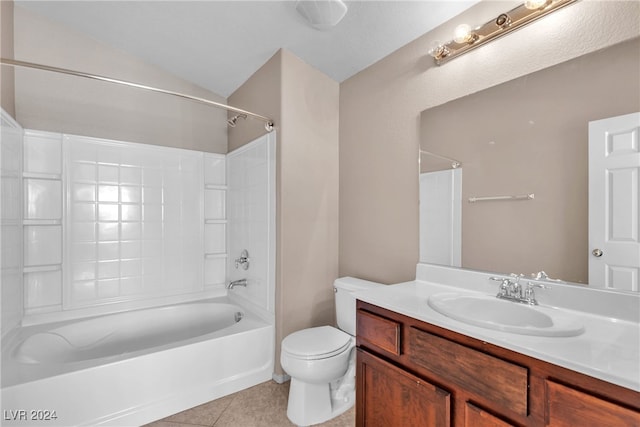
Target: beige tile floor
264	405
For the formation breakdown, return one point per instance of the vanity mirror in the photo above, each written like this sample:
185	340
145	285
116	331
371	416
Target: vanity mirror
528	138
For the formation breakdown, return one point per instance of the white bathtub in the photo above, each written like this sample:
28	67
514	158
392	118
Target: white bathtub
132	368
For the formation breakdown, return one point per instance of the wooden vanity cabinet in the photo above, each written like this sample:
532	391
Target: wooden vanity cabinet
411	373
393	396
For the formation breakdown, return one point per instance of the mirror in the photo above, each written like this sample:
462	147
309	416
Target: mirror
528	136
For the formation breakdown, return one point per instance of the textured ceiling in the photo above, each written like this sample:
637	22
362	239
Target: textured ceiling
220	44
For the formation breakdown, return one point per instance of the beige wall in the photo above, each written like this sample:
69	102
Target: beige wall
530	135
304	104
262	94
60	103
380	109
308	236
7	93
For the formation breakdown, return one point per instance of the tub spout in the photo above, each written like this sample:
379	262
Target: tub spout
241	282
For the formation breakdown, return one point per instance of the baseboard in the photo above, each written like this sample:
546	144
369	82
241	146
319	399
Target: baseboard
280	378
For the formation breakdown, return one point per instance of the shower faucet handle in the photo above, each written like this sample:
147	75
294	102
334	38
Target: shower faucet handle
243	260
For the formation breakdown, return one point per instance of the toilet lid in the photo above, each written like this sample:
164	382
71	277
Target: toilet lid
316	343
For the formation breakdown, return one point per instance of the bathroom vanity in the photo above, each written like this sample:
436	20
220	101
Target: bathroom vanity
417	367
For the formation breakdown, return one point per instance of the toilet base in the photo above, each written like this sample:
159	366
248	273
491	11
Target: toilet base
308	403
316	403
312	403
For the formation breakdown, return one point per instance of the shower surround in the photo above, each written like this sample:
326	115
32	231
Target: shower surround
112	226
133	228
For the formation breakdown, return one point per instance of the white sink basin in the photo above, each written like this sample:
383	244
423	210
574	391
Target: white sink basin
493	313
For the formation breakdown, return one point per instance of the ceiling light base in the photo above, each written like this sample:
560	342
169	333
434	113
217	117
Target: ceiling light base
322	14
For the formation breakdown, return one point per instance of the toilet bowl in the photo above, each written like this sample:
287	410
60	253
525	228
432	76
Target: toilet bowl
317	354
314	358
321	361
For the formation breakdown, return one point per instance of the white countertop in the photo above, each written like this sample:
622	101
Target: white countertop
609	349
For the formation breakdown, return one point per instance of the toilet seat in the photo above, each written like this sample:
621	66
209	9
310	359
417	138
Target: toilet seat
316	343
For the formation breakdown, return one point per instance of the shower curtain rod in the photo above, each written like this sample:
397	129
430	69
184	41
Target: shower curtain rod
268	123
454	163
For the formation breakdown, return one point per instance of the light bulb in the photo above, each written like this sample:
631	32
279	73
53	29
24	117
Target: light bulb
437	49
535	4
462	34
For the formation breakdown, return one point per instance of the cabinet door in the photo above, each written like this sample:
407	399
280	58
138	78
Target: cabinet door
389	396
569	408
476	417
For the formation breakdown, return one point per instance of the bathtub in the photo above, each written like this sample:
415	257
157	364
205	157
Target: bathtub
135	367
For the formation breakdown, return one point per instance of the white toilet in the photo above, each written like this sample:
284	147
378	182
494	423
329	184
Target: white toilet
321	361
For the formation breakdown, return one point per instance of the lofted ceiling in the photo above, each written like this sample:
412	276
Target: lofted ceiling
220	44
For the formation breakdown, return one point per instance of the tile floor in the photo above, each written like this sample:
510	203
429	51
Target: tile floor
264	405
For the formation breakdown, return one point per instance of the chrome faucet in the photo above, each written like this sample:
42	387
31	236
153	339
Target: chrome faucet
240	282
529	294
541	275
511	290
505	284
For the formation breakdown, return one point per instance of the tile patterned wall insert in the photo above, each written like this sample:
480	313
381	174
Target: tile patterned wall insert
134	220
42	219
115	222
215	221
11	237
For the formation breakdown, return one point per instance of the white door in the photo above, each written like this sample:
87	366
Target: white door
441	217
614	214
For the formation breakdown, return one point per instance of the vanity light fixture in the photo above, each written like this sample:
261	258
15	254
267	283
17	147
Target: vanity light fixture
466	38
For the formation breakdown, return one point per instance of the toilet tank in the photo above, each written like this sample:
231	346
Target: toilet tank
344	289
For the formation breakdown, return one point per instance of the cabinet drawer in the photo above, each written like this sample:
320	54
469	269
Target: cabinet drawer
488	377
568	407
378	331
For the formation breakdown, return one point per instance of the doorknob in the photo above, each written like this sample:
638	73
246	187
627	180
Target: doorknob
597	253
